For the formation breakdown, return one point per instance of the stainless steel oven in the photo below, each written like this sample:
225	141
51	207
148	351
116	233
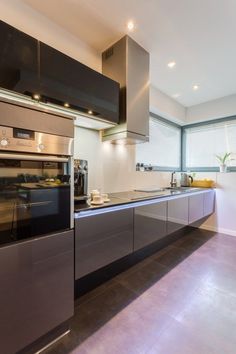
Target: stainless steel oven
36	184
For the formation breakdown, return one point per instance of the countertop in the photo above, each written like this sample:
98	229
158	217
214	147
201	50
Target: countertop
130	197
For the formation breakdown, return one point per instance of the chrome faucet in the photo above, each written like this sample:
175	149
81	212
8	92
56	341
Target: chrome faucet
173	182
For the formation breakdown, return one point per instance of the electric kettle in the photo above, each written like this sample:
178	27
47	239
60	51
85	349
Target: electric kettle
185	180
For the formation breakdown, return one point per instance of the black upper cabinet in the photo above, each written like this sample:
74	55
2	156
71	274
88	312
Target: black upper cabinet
28	66
65	79
18	60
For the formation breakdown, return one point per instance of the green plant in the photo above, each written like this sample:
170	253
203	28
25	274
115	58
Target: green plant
224	158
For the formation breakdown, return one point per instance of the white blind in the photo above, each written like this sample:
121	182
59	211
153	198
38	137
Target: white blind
203	143
163	148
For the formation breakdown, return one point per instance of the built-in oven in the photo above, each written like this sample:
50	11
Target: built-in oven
36	184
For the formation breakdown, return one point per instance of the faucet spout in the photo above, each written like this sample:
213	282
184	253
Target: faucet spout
173	182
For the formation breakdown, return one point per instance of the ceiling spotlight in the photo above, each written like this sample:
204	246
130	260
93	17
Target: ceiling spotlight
66	105
171	64
130	26
90	112
195	87
36	96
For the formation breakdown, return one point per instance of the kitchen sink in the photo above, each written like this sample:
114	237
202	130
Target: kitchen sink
181	189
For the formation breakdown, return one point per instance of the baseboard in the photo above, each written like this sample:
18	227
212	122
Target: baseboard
219	229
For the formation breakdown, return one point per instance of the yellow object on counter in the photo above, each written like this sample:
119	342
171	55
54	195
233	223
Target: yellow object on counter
204	183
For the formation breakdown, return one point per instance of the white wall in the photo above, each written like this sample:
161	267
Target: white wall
112	167
23	17
222	107
166	107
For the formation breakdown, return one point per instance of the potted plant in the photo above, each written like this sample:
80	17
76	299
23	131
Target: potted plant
223	161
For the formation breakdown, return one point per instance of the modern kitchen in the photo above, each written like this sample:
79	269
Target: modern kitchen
117	177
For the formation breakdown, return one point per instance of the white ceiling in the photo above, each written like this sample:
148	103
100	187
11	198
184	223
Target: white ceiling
198	35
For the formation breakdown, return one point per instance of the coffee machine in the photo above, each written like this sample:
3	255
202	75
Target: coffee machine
80	180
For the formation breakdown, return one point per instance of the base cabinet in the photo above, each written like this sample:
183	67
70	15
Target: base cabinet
37	286
196	207
101	239
177	214
209	203
149	224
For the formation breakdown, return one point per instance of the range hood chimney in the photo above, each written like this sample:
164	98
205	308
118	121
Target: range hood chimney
128	63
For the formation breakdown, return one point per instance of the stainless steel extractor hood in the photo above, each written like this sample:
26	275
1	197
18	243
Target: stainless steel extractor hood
128	63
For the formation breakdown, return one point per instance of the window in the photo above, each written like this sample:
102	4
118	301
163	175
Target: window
203	141
163	151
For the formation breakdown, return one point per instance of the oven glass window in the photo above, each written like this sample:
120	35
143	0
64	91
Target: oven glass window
34	199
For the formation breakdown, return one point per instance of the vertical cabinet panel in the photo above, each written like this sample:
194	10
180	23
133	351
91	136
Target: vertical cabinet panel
195	207
209	203
37	289
149	224
101	239
177	214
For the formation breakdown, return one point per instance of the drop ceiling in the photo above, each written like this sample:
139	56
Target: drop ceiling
197	35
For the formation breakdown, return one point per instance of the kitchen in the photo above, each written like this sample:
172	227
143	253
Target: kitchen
137	255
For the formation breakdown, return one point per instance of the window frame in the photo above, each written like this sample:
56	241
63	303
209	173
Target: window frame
184	147
171	124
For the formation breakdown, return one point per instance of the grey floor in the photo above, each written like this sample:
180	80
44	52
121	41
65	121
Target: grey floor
181	300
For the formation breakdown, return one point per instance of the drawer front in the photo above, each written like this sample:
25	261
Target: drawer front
195	207
177	214
149	224
209	203
37	289
102	239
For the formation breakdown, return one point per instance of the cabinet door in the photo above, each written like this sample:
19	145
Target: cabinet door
18	60
209	203
177	214
195	207
37	289
149	224
101	239
65	80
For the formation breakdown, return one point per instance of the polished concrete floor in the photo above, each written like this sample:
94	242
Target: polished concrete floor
179	300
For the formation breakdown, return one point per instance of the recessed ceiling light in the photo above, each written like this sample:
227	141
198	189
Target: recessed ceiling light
171	64
90	112
66	105
195	87
130	25
36	96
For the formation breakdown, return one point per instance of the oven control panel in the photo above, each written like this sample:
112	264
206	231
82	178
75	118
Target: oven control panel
23	140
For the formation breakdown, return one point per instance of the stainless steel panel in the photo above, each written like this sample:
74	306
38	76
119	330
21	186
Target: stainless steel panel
128	63
37	289
137	88
29	157
12	115
195	207
149	224
102	239
209	203
177	214
41	143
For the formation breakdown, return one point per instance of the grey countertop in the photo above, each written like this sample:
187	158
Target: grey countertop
129	197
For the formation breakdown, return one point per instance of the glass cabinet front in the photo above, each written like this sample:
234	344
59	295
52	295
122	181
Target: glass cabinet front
34	199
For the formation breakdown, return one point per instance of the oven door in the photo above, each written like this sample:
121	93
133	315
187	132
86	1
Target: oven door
35	196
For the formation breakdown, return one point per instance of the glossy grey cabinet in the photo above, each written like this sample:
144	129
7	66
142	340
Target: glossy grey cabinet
195	207
149	224
209	202
37	289
101	239
177	214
